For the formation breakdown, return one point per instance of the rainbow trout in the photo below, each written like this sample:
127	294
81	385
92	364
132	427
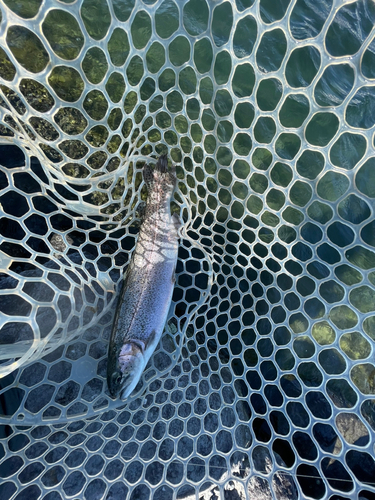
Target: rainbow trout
147	285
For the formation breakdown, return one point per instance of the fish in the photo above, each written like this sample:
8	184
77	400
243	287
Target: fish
148	285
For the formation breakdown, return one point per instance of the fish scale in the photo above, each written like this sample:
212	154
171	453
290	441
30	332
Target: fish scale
148	286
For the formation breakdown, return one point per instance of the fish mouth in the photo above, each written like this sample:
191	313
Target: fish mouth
127	391
130	383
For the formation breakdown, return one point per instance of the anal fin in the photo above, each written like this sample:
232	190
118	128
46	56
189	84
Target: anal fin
177	222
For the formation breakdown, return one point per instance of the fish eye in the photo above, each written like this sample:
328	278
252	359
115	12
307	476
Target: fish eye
117	377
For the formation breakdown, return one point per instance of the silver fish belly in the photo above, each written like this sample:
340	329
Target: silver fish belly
147	288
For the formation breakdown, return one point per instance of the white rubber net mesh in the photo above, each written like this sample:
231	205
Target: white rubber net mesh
263	384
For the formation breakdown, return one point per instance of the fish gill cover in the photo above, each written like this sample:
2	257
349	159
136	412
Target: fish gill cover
263	385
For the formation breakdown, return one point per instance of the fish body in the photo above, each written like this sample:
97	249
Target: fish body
147	286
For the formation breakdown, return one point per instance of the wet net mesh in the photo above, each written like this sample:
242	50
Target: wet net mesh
263	384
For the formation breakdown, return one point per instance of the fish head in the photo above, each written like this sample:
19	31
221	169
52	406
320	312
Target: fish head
127	371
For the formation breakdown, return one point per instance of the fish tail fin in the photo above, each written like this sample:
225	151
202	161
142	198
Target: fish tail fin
159	177
162	164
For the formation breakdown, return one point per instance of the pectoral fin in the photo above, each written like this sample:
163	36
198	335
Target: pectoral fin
151	339
177	222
